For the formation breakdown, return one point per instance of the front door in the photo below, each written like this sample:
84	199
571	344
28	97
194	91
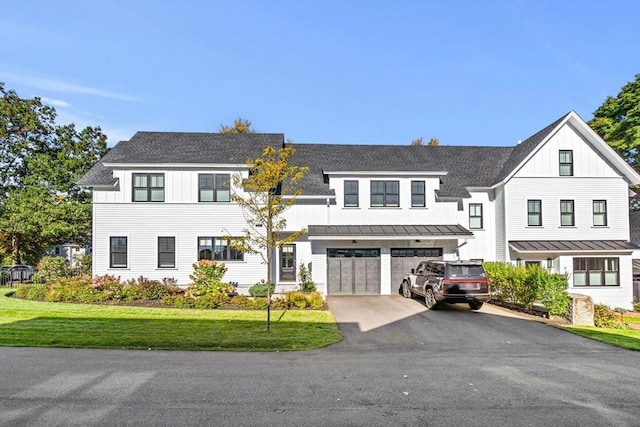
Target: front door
288	263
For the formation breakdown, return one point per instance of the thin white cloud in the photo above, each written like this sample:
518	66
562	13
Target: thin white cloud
58	103
64	87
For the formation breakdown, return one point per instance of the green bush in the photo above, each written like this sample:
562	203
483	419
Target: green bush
260	289
178	301
36	292
304	275
259	304
207	279
21	291
50	268
148	290
85	264
636	307
206	302
526	285
296	299
241	301
72	289
315	300
279	304
604	317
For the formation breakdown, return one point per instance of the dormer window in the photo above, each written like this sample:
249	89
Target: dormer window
351	194
148	187
566	162
385	194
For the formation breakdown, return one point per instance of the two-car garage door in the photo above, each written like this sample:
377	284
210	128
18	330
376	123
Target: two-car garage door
357	271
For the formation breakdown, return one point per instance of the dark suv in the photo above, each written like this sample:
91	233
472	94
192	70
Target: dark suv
449	281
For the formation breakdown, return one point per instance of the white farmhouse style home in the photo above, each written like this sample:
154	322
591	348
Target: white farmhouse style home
161	202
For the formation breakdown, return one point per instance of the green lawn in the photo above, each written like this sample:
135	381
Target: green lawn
625	338
44	324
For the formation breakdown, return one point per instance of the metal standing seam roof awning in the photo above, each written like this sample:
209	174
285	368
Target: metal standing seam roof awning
573	246
388	232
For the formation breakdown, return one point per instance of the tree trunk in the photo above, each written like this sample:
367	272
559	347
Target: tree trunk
15	250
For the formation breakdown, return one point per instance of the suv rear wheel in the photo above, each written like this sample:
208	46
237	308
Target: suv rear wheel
429	298
476	305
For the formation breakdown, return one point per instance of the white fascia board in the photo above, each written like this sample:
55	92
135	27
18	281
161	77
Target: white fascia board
385	173
176	165
583	252
311	197
416	237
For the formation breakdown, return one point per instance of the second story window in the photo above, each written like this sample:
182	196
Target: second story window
599	213
475	215
534	213
385	193
567	215
214	187
351	194
417	194
566	162
148	187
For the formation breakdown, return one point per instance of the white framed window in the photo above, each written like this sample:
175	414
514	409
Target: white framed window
596	272
534	213
567	213
475	215
218	249
600	213
166	252
351	198
214	187
417	194
566	162
148	187
118	252
385	193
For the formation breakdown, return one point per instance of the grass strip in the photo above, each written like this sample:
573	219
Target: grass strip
625	338
44	324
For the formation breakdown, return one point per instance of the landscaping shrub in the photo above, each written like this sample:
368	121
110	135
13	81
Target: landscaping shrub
21	291
259	304
297	299
241	301
50	268
604	317
206	302
315	300
76	289
279	304
636	307
108	288
178	301
36	292
304	275
207	279
526	285
260	289
148	290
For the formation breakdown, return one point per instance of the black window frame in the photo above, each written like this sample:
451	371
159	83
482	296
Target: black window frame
531	213
473	215
217	184
118	245
388	192
150	189
596	267
600	214
567	214
166	252
565	160
351	192
418	198
220	246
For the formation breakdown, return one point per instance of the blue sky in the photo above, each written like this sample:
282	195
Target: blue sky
376	72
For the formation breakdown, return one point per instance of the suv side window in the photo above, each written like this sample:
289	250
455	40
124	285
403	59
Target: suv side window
420	268
439	270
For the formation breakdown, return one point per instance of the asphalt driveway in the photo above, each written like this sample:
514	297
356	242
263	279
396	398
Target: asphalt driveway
399	365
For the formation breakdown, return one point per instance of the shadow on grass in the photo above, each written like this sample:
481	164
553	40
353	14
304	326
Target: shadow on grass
168	334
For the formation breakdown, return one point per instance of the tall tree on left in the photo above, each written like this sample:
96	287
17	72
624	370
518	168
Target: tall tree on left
40	162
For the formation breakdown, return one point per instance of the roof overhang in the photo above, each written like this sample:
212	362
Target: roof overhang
572	246
176	165
383	173
388	232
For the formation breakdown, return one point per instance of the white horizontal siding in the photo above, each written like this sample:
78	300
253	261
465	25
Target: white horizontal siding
583	191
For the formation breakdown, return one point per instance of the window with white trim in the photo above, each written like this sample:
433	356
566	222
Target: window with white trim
599	213
596	272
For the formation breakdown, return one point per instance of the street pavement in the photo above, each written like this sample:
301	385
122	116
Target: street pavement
398	365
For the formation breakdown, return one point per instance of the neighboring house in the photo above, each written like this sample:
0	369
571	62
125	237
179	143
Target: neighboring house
560	199
72	252
634	224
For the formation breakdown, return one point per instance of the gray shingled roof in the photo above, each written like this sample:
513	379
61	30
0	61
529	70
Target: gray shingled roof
465	166
387	230
571	245
634	225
